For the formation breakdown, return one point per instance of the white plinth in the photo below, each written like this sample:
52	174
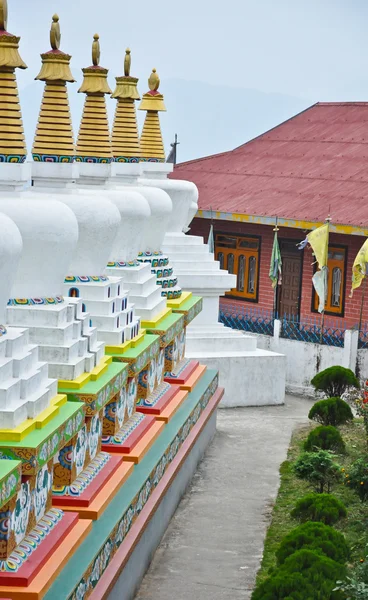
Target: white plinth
250	376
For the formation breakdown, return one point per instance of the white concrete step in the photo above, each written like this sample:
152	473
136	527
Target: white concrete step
64	334
67	370
32	382
143	288
135	274
53	353
9	392
46	315
6	369
147	301
182	265
14	415
23	363
17	340
226	343
37	402
151	312
172	239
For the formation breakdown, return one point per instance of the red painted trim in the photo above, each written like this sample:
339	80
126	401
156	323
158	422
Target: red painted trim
38	558
94	487
120	559
160	406
135	437
185	374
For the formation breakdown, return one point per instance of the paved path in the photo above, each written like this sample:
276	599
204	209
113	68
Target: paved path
213	546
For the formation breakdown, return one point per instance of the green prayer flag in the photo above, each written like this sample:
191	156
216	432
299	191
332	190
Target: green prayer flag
276	262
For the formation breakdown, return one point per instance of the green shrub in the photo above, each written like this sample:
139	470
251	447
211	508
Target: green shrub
318	537
334	381
323	508
357	478
355	584
319	469
305	575
333	411
325	437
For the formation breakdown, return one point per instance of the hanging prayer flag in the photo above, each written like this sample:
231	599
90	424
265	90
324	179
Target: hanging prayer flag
302	244
318	239
360	267
276	262
211	241
319	280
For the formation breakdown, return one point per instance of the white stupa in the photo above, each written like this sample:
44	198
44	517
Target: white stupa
250	376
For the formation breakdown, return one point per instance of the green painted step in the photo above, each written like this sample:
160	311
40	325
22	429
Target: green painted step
70	577
43	444
10	476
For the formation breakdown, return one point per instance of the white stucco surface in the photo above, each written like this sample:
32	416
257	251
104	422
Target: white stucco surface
10	252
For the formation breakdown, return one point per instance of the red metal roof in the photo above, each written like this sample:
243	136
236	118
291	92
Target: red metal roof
317	159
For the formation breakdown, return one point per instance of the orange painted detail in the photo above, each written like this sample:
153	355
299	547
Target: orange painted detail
194	378
98	505
172	407
145	443
43	581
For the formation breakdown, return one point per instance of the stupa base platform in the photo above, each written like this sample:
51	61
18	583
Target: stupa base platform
52	564
95	509
112	559
182	372
190	376
88	484
158	400
26	562
129	435
171	408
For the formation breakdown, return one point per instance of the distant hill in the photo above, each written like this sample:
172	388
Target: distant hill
207	118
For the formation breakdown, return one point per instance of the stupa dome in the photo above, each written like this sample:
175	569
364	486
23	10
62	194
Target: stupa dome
10	251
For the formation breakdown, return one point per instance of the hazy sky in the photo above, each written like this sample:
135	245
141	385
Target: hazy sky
315	49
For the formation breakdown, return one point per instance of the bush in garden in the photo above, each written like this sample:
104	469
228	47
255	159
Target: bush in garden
320	538
357	478
323	508
325	437
335	381
319	469
333	411
355	585
303	576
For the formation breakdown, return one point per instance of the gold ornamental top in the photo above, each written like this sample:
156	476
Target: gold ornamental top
54	140
94	143
125	135
95	77
153	100
12	142
126	86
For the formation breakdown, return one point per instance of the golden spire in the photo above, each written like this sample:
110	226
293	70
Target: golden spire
12	140
152	146
54	140
125	136
94	143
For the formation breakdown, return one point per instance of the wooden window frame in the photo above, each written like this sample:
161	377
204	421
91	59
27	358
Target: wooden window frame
329	309
247	253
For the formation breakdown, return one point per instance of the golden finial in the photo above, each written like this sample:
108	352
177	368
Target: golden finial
55	35
127	62
96	52
154	81
3	14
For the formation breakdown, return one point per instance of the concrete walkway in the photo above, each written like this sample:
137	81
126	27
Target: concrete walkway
213	546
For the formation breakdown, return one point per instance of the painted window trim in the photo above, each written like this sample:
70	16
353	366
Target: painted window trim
247	253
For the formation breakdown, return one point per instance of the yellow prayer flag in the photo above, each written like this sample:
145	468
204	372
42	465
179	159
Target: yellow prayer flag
360	267
318	239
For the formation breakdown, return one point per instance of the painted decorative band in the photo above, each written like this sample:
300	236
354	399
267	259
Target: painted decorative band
126	159
2	330
52	158
120	264
94	159
12	158
34	301
85	278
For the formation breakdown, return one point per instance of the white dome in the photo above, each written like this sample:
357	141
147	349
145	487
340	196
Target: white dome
161	209
182	194
49	232
98	222
10	252
135	214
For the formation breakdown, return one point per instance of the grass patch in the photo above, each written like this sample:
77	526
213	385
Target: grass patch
354	527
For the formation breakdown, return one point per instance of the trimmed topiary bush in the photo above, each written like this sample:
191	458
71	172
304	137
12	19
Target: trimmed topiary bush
334	381
305	575
333	411
318	537
319	469
323	508
325	437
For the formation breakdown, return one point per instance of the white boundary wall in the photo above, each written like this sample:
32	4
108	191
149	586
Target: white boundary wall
306	359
